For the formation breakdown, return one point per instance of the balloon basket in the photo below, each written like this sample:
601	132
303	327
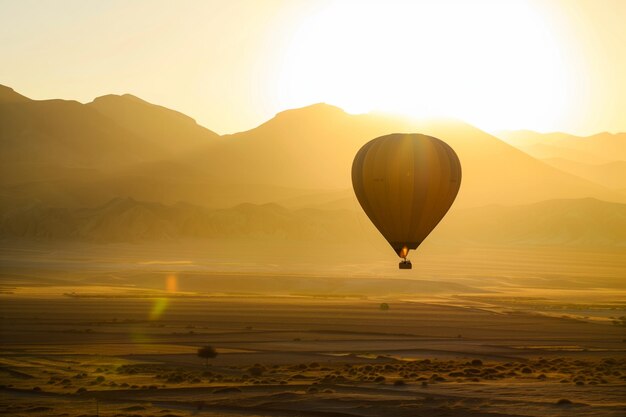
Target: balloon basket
405	265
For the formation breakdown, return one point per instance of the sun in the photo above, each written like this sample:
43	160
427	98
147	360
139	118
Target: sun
491	63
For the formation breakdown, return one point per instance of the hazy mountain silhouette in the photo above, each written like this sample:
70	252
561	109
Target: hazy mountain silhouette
113	133
125	219
67	154
310	147
544	151
313	147
157	125
599	148
581	222
610	174
496	172
8	95
61	134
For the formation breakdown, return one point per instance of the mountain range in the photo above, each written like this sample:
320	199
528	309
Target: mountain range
120	168
579	223
599	148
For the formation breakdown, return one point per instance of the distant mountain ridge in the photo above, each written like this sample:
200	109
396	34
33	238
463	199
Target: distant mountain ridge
67	154
108	134
314	147
128	220
610	174
63	133
8	95
582	222
154	123
595	149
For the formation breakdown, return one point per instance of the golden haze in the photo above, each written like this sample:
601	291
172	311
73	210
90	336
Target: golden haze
516	64
150	265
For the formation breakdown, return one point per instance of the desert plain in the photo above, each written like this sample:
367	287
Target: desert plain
183	228
119	337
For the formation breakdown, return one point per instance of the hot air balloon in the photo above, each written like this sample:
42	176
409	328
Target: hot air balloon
406	183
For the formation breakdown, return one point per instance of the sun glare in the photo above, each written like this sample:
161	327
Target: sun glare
490	63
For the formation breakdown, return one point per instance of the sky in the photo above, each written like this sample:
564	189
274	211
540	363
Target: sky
545	65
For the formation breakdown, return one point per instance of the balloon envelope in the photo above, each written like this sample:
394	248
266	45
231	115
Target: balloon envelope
406	183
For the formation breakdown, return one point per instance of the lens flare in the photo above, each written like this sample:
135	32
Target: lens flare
161	304
159	307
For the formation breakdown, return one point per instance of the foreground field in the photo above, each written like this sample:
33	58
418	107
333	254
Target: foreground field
284	356
113	330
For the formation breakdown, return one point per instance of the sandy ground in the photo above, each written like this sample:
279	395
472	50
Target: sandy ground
284	356
114	331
